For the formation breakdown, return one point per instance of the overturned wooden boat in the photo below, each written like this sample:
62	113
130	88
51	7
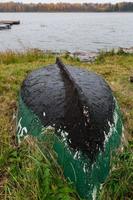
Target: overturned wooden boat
4	26
83	113
10	22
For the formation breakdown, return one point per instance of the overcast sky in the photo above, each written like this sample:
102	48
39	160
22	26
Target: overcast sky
70	1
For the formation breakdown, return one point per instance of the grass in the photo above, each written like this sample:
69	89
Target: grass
119	185
25	172
28	174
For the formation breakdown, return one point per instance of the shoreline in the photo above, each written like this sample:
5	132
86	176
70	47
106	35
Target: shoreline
82	56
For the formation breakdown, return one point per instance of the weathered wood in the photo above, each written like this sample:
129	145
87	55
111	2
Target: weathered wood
9	22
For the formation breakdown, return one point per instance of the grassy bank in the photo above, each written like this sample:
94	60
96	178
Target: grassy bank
25	172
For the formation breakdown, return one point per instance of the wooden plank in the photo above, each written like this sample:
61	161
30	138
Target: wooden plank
9	22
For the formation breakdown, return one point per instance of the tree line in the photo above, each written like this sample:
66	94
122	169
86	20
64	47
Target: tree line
66	7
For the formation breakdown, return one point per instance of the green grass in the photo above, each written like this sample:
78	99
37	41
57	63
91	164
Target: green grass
25	172
119	185
28	174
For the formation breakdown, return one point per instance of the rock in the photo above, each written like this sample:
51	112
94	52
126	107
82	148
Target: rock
128	50
124	50
85	56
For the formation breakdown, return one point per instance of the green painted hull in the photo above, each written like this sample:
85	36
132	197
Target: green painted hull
86	176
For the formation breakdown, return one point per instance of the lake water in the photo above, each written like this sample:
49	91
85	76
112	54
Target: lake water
68	31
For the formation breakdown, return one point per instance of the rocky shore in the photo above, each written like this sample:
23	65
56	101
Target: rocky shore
88	56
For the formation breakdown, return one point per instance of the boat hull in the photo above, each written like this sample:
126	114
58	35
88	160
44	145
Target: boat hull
86	175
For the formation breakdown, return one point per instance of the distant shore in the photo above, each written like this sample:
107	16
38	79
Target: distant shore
66	7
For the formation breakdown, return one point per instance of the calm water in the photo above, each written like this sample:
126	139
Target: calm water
68	31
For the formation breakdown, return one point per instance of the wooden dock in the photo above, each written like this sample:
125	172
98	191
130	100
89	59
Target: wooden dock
5	26
9	22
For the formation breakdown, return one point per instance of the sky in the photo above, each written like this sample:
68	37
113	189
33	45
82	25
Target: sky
70	1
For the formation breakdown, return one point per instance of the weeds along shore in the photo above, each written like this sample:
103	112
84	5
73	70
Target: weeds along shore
25	171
